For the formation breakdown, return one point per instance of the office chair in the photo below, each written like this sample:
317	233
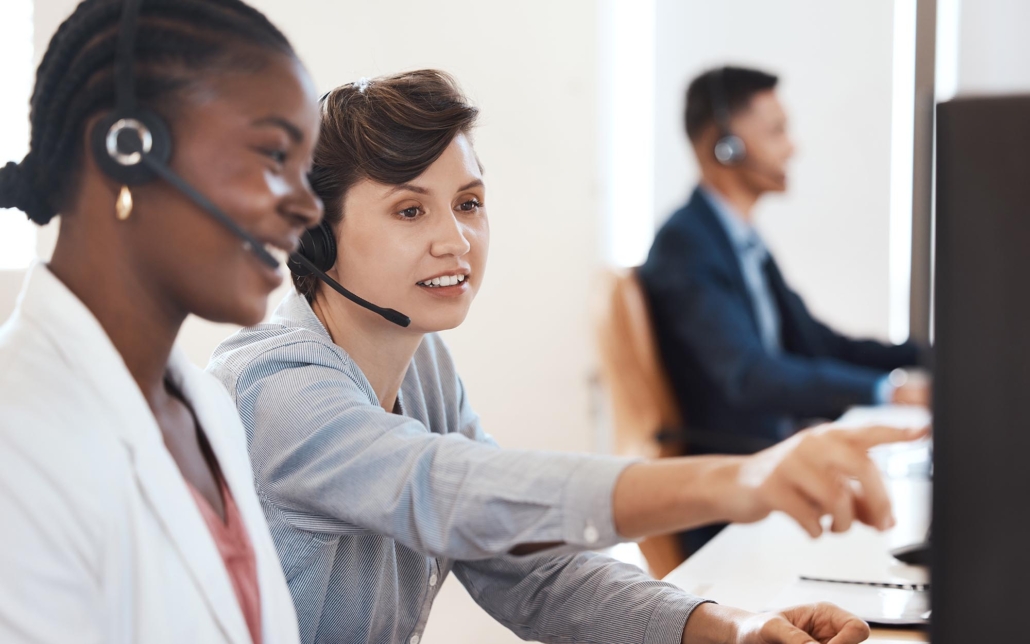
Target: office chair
641	400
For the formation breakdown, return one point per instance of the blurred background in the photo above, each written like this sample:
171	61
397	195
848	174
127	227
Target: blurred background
581	136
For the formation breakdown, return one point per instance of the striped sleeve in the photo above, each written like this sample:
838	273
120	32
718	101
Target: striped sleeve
586	597
334	461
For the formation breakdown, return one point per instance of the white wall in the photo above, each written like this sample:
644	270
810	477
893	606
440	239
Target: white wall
830	231
993	47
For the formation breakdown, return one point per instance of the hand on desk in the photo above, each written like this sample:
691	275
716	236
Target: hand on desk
818	471
822	623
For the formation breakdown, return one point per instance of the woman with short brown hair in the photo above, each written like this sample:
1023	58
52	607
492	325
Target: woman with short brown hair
376	475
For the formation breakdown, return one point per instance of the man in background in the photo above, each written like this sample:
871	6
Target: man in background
747	362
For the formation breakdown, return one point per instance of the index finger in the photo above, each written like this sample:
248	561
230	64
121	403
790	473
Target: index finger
873	435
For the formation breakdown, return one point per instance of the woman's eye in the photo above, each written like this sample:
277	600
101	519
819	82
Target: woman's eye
279	156
470	205
410	213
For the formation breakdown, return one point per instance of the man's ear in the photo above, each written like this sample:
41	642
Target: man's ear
704	145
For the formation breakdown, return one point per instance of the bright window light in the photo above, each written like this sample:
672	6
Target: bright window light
946	82
949	13
17	234
902	158
627	87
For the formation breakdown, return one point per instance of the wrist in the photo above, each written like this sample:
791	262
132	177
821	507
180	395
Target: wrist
713	624
676	494
723	496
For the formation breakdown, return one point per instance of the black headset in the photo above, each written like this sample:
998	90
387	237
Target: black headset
133	145
317	254
729	149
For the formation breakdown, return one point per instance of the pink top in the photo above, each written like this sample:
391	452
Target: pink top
237	554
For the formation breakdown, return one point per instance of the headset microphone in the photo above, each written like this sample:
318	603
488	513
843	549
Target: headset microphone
178	182
317	254
133	144
396	317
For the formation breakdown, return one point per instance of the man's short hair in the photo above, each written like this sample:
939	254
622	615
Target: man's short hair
737	85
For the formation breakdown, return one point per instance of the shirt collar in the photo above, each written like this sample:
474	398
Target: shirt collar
70	325
742	235
294	311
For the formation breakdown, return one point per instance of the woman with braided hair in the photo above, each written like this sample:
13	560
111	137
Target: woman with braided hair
129	513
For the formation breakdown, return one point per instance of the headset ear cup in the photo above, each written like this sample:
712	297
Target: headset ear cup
110	138
318	245
730	150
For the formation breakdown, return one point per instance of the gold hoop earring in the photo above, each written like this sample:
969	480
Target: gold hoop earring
123	206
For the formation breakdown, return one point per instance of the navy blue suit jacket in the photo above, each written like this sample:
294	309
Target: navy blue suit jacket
709	341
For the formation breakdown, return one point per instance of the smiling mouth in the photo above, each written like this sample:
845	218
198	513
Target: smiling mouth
443	281
278	253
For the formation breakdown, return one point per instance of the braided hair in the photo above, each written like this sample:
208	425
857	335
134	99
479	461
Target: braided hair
177	43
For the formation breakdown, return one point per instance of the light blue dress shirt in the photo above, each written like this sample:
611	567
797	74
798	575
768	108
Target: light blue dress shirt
751	254
370	510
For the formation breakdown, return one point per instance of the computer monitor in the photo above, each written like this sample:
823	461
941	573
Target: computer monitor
981	501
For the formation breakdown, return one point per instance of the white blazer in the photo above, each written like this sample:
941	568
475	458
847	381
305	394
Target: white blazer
100	538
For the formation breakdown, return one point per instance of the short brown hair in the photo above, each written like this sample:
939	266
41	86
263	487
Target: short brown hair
734	87
388	129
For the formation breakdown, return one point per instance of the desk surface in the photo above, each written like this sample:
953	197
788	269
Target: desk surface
748	566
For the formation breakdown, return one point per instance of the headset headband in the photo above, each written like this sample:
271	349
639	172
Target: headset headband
125	84
720	104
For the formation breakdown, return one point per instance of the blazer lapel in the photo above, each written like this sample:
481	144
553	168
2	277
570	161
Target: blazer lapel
793	328
88	351
172	503
220	421
710	221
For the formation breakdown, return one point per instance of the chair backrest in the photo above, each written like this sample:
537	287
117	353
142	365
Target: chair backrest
641	399
642	403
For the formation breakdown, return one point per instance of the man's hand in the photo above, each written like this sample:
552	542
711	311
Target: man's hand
910	388
818	471
808	624
913	392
